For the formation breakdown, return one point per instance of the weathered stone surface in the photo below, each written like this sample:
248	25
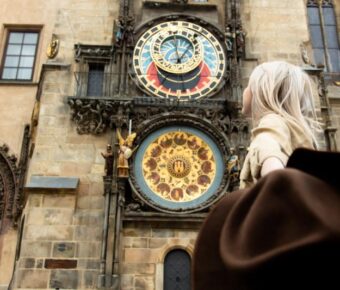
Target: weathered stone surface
139	269
88	249
137	232
86	233
127	281
34	200
144	282
56	216
89	218
59	200
90	279
163	233
35	249
90	202
157	242
27	263
187	234
132	255
33	279
88	264
140	243
64	279
64	249
42	232
40	263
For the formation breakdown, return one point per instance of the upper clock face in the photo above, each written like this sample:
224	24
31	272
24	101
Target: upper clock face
178	59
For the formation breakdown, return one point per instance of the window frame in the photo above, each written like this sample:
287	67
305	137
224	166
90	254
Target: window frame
320	6
23	29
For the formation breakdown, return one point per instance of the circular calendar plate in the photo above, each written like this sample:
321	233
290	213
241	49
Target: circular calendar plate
178	168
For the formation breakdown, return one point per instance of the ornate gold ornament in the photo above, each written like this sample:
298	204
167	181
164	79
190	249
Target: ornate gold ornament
53	47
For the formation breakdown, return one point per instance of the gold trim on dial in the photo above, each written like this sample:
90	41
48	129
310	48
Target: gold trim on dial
171	34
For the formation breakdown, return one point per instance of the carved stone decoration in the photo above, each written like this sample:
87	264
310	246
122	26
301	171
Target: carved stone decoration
124	27
304	54
8	178
91	116
12	178
94	116
22	169
83	51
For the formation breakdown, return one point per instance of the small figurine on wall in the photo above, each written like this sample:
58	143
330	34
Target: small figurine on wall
124	153
229	41
240	42
53	47
233	167
108	156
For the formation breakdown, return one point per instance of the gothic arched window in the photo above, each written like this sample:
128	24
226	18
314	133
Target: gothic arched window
323	30
177	269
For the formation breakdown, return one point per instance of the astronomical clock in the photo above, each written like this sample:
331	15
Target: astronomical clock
178	59
179	165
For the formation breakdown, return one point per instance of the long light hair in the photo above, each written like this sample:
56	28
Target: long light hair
285	89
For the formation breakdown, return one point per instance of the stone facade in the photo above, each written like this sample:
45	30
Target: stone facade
59	243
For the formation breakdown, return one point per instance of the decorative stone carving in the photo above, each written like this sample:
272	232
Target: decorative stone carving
94	116
12	178
93	51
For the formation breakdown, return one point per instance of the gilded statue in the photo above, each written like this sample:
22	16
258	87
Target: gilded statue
124	153
53	47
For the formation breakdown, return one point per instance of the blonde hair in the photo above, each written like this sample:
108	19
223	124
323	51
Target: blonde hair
285	89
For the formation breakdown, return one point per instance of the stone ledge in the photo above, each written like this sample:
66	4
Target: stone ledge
52	184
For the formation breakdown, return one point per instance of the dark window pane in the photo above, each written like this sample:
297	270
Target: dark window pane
95	80
316	35
177	271
313	15
31	38
12	61
319	56
13	49
9	73
328	16
26	61
28	50
16	37
334	57
331	36
24	74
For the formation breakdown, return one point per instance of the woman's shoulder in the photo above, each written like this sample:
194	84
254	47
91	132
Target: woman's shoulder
271	118
271	122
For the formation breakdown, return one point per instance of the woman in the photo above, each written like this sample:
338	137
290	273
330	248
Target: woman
279	100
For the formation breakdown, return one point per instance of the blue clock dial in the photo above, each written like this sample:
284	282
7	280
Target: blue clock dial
177	50
179	59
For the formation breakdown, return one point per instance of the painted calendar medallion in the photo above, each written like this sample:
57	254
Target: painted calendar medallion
178	167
